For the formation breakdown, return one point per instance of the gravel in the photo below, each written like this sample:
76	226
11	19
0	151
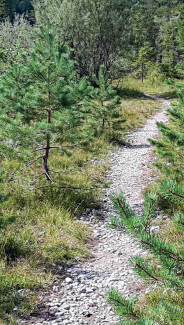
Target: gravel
81	297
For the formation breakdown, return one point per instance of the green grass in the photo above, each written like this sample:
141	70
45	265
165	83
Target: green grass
134	88
40	228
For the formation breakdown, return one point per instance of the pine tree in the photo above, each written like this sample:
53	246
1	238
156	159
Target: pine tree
170	147
41	104
105	106
142	62
166	270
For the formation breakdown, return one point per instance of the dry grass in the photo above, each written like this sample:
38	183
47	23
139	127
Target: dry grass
136	111
160	89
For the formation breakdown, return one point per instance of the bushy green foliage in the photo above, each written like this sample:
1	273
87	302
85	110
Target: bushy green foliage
165	270
15	37
97	31
41	104
170	147
104	105
19	32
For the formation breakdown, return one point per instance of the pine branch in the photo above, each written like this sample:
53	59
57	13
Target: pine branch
55	147
165	251
176	194
145	271
122	207
124	305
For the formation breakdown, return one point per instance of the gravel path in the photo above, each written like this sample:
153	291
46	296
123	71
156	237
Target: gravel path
81	297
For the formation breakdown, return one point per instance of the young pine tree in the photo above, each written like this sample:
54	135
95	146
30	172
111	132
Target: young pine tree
105	106
164	268
142	63
41	104
171	145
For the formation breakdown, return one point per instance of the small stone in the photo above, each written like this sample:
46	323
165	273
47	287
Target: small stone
15	308
41	233
68	280
55	289
154	229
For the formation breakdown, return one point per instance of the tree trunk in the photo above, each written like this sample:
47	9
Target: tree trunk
142	73
46	156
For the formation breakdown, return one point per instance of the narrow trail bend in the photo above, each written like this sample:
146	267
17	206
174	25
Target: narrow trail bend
81	297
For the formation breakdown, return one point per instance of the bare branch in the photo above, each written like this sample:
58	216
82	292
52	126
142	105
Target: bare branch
176	194
26	166
64	187
39	149
60	147
38	144
56	147
57	172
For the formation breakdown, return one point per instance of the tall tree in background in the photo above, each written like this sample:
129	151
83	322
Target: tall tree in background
155	27
96	31
8	9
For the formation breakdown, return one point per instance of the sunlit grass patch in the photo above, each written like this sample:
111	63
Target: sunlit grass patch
134	113
135	88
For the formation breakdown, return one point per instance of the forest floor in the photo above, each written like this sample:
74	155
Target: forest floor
80	298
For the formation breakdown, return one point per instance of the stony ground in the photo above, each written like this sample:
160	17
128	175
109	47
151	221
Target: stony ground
81	297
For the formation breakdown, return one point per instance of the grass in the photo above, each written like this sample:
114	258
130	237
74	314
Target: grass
40	228
135	88
136	111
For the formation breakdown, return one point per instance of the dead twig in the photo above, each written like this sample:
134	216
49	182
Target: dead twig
26	166
64	188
